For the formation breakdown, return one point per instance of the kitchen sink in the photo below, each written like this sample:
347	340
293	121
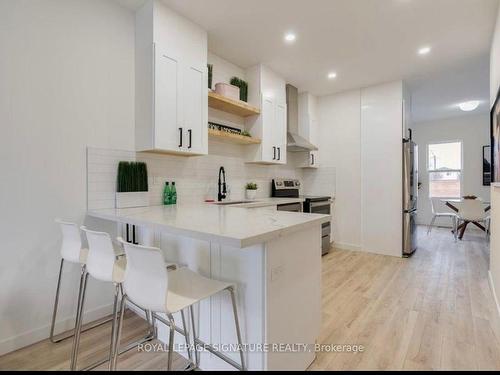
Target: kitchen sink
228	203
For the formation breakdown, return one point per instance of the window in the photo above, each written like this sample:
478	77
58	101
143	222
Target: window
445	169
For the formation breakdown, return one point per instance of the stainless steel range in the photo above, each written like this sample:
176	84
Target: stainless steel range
289	188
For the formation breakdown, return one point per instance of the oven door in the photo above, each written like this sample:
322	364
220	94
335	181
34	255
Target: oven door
323	207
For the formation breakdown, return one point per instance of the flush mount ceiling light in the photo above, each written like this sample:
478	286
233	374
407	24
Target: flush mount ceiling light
469	106
290	37
424	50
332	75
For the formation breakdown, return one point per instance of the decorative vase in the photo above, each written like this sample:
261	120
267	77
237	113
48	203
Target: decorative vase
132	199
251	194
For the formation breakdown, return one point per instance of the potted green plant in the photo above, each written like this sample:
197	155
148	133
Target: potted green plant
210	74
251	190
235	81
132	185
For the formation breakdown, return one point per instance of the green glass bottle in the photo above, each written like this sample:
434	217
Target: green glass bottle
173	194
166	194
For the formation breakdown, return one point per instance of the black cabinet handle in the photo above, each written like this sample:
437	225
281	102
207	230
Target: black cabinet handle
190	132
180	137
312	159
274	153
279	153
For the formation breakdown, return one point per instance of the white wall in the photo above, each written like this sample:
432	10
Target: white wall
474	132
495	62
67	81
495	191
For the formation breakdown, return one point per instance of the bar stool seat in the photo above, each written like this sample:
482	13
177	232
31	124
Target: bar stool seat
105	262
71	252
187	288
148	284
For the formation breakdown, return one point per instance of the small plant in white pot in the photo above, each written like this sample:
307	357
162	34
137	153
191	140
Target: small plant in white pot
251	190
132	185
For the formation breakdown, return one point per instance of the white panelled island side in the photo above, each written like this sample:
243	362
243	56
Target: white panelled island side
273	257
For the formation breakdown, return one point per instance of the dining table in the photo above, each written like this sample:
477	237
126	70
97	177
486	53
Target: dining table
453	203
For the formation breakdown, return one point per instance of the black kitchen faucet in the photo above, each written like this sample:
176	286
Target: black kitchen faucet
222	185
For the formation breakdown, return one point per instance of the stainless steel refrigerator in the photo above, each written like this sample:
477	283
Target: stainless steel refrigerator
410	195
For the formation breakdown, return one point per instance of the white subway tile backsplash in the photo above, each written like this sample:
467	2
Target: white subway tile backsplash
196	177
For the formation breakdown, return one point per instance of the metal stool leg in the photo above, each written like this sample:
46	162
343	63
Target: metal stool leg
66	335
195	337
116	345
171	342
56	304
238	330
79	317
431	224
186	335
113	327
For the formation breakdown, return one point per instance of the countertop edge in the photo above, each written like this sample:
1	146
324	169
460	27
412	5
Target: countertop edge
223	240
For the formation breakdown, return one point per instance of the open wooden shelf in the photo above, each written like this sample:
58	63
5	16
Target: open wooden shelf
236	107
232	138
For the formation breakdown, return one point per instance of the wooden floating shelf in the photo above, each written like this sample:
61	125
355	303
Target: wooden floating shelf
233	138
236	107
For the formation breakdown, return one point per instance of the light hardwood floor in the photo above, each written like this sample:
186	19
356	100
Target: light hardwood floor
432	311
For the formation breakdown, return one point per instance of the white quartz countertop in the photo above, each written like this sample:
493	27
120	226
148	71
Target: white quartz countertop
268	202
235	226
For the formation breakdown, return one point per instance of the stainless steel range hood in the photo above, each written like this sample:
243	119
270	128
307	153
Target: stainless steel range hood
295	143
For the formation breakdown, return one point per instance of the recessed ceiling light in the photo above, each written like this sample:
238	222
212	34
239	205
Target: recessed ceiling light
332	75
424	50
290	37
469	106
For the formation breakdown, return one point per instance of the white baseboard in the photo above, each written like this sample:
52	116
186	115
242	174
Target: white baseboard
27	338
492	286
346	246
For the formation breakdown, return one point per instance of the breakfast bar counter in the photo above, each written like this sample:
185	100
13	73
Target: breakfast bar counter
273	258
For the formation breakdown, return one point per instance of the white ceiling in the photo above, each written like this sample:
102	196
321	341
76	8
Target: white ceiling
365	41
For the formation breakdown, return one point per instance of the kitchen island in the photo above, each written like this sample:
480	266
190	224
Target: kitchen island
273	257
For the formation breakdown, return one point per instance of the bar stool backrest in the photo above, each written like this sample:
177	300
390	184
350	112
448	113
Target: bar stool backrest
101	258
146	277
71	245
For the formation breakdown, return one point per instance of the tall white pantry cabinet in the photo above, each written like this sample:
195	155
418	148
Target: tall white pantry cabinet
171	82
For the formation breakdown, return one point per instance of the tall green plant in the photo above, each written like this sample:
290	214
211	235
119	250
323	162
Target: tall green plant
210	74
235	81
132	177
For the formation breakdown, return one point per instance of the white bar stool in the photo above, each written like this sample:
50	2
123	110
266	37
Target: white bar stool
71	252
148	285
104	263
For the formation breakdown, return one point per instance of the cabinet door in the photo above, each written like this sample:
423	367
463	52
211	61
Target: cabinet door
269	151
279	132
167	121
195	110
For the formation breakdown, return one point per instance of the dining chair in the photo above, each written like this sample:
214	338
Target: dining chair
436	214
472	211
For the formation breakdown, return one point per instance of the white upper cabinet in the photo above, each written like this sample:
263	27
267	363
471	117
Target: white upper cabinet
308	128
267	90
171	82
